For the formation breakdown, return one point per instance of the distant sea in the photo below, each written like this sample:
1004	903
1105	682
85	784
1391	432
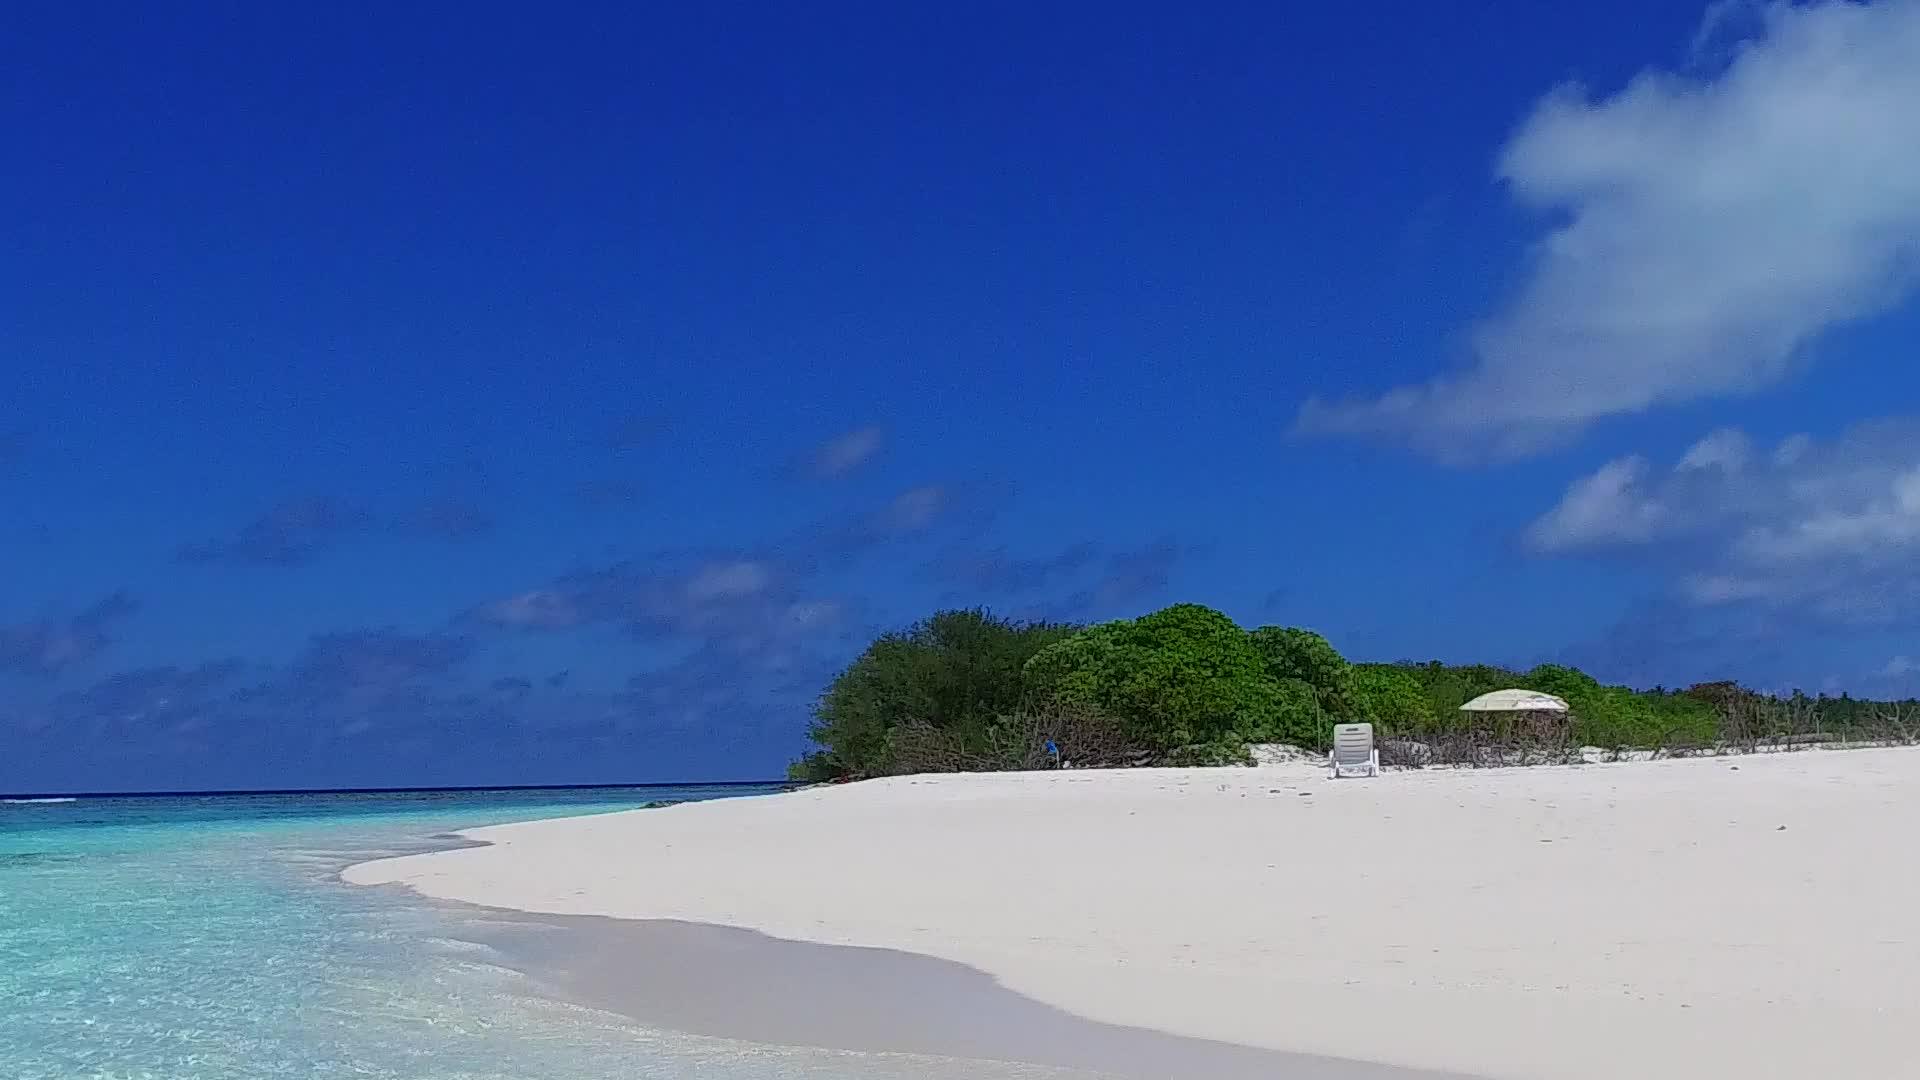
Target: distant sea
209	938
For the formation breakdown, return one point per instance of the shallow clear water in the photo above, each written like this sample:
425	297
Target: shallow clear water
208	938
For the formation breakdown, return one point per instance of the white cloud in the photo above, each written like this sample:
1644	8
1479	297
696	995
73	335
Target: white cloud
729	580
1830	528
1714	589
1792	449
546	609
814	614
733	602
914	510
1606	507
1724	449
1710	227
844	453
1890	519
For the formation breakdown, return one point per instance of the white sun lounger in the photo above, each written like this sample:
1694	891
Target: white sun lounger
1353	751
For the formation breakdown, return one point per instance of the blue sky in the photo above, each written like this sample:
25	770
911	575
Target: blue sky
386	399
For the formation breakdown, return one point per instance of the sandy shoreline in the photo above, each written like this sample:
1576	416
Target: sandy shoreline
744	986
1749	917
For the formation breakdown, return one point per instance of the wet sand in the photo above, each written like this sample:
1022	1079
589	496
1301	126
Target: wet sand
738	984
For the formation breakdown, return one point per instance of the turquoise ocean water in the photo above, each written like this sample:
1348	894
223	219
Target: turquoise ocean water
208	938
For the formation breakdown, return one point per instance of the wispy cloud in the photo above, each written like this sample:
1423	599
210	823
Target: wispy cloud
1825	528
604	494
1666	640
1608	507
1130	578
169	700
708	694
993	571
350	662
745	603
49	646
290	534
345	684
731	642
558	607
512	685
1080	581
955	513
446	519
351	683
295	532
1711	226
912	511
845	452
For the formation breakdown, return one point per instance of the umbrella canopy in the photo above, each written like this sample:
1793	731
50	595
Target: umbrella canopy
1515	701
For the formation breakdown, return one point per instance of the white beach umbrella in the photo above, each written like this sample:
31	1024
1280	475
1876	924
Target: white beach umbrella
1515	701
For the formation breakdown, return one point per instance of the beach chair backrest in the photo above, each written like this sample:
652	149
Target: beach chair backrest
1353	749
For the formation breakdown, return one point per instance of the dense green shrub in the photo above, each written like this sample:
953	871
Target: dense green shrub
1031	739
1293	653
1682	721
1178	677
1297	718
955	673
1185	685
818	767
1391	699
1611	717
1447	687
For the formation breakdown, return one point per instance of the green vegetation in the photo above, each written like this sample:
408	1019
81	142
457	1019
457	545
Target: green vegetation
1307	658
1180	677
957	673
1187	686
1392	699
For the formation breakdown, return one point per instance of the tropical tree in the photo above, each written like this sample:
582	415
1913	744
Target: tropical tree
1390	698
1293	653
1178	677
954	673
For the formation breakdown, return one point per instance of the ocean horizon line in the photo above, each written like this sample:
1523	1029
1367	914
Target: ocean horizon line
458	788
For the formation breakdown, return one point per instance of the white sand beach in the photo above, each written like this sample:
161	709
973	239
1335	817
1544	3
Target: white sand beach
1751	917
